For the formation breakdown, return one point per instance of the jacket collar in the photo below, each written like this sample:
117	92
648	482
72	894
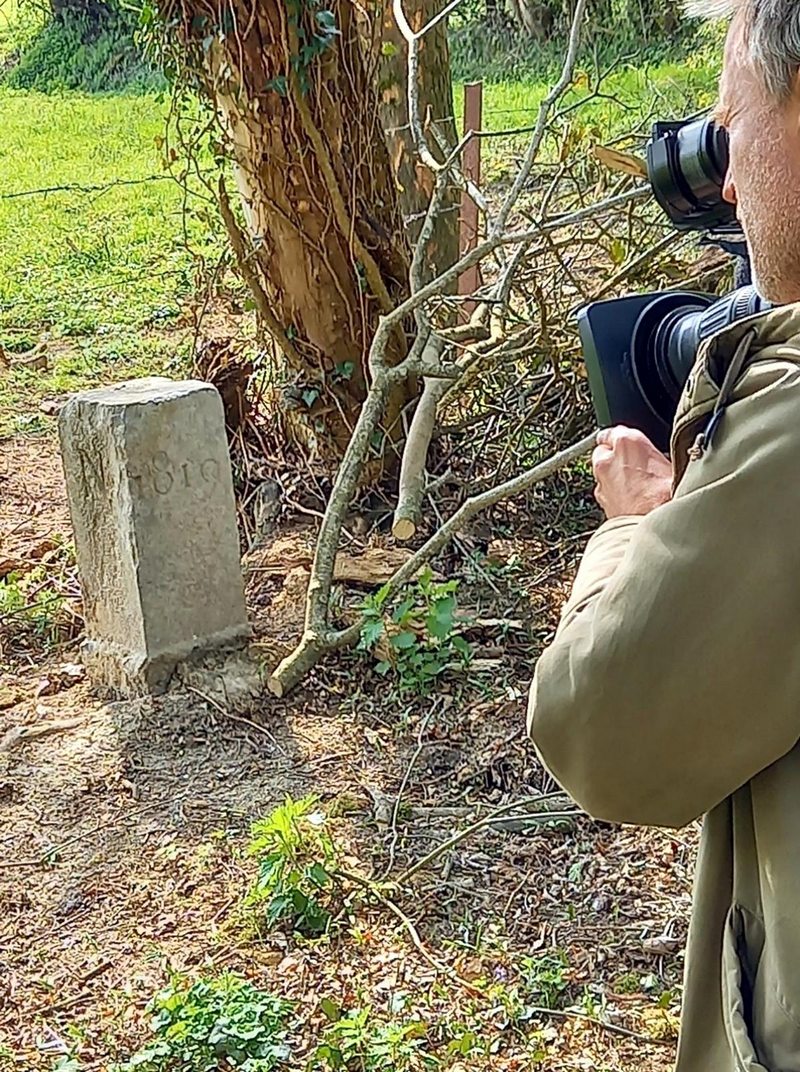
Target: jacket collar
777	330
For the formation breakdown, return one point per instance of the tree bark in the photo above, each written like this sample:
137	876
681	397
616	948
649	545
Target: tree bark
414	180
324	237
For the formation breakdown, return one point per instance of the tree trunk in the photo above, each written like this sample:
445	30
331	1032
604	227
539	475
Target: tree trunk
414	180
324	240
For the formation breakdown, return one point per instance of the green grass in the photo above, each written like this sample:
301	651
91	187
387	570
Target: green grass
99	274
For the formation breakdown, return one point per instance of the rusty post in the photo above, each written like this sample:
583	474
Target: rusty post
470	280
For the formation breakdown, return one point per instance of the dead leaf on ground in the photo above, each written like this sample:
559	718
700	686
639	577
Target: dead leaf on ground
9	698
12	565
63	677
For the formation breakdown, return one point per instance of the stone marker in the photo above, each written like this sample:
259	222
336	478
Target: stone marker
151	497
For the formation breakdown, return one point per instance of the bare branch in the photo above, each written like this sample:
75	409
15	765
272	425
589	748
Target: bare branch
489	245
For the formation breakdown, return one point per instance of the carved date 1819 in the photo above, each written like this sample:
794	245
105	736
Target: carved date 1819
161	475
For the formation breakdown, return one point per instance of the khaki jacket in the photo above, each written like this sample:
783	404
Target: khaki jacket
672	689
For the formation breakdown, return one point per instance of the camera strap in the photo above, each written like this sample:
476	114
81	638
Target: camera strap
732	374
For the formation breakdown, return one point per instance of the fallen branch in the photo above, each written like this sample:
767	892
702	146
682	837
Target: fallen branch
19	735
317	641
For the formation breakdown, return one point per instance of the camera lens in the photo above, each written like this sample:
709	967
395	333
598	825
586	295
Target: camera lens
657	359
668	334
686	165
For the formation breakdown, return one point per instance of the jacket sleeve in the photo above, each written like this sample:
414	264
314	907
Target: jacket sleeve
674	677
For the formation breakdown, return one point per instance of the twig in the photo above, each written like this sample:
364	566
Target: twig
489	245
45	858
60	1006
406	776
556	92
226	713
74	187
413	933
18	735
573	1014
487	820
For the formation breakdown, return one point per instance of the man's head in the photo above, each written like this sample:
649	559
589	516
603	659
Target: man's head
759	106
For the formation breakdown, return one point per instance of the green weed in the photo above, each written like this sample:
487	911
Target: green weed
544	978
420	627
361	1042
296	884
223	1022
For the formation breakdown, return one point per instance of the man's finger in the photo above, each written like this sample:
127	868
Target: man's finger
604	437
601	455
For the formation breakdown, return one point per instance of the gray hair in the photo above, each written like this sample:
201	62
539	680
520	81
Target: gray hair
773	36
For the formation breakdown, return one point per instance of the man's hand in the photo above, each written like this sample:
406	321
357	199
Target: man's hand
633	477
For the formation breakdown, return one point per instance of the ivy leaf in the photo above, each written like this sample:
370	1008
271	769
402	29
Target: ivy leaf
327	21
278	84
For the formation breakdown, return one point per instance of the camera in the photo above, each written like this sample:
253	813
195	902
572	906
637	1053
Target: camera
639	350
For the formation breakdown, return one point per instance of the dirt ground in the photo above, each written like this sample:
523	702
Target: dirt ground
122	834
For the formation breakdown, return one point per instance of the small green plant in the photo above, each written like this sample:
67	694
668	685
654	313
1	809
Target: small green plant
544	978
420	629
31	602
212	1024
360	1042
296	882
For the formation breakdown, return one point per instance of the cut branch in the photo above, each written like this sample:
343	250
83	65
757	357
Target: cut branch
411	486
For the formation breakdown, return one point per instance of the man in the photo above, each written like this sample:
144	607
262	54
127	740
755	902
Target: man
672	688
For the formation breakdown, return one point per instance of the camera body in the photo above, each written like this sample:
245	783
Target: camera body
622	381
640	349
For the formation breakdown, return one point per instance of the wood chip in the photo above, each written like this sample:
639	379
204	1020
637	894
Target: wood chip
662	946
